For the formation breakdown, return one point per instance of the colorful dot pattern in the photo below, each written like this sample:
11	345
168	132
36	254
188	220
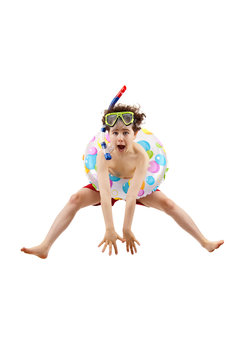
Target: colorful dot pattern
119	187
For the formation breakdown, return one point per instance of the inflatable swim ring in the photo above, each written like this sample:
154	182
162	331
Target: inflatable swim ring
119	187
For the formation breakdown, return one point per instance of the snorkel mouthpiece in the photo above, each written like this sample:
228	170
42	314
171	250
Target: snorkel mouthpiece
103	129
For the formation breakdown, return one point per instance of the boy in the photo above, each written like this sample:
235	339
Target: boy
129	160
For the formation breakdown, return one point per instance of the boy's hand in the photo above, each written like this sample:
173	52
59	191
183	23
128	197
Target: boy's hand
110	239
130	240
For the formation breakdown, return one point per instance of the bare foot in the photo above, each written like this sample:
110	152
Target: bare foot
212	245
39	251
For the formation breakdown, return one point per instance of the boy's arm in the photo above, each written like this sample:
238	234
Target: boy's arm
134	188
111	236
105	194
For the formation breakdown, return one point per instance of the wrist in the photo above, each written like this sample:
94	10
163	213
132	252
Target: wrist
126	230
109	228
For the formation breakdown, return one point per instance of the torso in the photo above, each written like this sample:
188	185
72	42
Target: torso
125	166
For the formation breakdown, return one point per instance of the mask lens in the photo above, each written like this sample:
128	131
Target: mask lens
111	119
127	118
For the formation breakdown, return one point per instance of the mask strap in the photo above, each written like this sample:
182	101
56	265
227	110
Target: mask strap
103	129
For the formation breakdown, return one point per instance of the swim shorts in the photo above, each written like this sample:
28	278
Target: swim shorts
113	201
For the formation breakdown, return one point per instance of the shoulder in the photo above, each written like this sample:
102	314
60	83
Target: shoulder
142	158
100	155
141	154
101	163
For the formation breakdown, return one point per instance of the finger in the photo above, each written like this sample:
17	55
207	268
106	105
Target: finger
110	246
115	247
131	248
137	242
106	243
102	242
127	246
135	249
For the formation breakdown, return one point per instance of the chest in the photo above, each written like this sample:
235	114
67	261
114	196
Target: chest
123	170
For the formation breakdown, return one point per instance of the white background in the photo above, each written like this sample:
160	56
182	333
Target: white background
61	64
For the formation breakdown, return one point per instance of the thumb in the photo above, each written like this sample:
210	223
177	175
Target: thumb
121	239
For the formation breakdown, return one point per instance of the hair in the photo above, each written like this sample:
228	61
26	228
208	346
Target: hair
138	116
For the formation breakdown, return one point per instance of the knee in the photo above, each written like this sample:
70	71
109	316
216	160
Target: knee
168	205
75	200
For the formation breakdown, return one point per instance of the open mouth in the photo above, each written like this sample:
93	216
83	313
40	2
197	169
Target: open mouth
121	147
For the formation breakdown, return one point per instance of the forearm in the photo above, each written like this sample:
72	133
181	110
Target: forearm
129	213
107	211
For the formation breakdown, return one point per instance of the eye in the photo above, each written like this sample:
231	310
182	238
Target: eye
126	133
115	133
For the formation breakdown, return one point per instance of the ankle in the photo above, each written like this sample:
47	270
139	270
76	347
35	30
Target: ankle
204	242
45	246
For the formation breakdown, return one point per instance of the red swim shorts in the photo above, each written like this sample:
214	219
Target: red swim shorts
113	201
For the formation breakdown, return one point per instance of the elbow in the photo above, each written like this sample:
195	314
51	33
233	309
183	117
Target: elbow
131	198
105	195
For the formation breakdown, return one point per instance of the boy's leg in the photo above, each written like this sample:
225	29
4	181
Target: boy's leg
81	199
160	201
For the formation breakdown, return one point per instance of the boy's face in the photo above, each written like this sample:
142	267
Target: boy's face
121	136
